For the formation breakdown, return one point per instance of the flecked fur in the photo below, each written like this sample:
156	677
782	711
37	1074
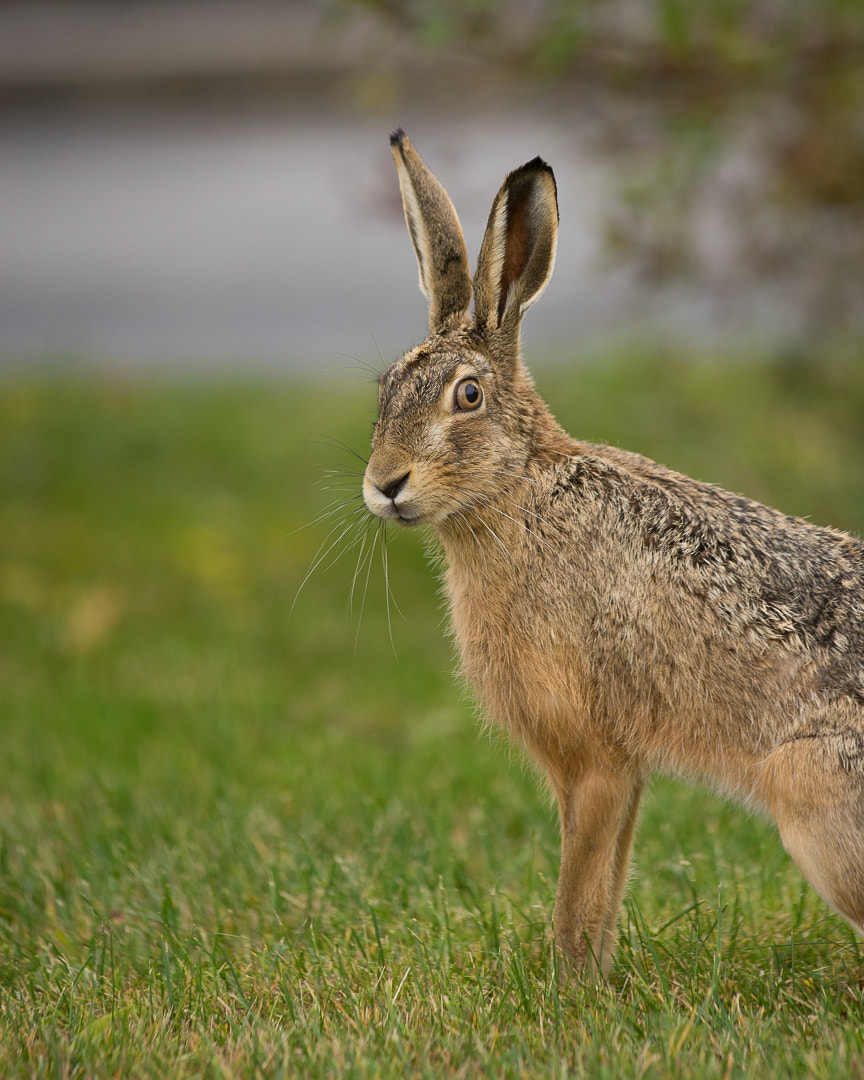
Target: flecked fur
616	617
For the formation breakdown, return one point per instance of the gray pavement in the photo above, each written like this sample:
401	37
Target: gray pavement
196	232
179	238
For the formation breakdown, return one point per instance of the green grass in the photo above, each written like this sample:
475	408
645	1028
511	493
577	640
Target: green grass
242	840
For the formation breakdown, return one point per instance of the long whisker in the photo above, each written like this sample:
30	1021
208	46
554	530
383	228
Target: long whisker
467	525
554	529
388	594
324	551
330	440
375	535
386	537
559	554
520	476
363	365
369	367
362	555
524	525
329	511
329	475
491	532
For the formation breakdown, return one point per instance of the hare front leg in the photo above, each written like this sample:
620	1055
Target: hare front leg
598	811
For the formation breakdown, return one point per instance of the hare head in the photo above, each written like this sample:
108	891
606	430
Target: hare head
457	415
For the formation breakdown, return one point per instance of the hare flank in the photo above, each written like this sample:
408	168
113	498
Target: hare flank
614	616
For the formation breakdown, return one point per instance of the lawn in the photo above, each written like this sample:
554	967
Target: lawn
246	831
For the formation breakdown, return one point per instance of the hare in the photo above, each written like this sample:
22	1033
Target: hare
614	616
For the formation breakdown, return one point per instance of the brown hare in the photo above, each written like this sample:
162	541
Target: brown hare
614	616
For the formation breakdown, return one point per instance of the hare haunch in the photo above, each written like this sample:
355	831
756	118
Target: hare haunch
614	616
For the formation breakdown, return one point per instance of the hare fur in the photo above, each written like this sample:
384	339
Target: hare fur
614	616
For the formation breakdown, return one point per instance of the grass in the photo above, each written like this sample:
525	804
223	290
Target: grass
242	840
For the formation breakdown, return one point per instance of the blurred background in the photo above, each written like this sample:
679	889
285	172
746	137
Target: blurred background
206	184
208	737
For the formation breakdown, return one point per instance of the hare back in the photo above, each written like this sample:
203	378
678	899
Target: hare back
608	605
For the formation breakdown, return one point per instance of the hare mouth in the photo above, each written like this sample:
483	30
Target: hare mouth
390	502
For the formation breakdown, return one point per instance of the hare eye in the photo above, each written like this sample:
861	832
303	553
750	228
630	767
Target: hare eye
469	395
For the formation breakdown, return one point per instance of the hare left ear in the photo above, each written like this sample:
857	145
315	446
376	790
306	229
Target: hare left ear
518	250
435	231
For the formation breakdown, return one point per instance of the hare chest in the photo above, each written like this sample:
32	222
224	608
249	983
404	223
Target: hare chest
573	675
518	654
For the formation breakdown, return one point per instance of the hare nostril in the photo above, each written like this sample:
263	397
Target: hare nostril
392	489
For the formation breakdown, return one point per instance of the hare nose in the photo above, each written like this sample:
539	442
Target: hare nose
392	489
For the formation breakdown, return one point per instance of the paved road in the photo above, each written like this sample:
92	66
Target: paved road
162	234
198	239
153	236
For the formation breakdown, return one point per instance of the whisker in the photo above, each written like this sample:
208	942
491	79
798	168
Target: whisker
388	592
329	475
491	532
329	440
466	524
376	533
543	521
524	526
520	476
361	561
364	365
329	511
322	553
559	554
369	367
351	527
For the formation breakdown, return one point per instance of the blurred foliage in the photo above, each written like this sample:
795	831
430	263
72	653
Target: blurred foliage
709	43
737	128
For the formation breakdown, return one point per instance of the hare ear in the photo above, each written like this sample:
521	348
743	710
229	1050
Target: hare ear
436	234
518	250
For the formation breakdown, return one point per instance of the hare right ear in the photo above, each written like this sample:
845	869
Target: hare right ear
436	234
518	250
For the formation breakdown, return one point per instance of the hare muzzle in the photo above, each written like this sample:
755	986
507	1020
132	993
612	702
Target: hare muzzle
387	495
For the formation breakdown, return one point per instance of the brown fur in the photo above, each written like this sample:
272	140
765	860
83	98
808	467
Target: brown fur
616	617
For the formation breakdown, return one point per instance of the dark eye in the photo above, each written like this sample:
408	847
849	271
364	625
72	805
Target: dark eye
469	395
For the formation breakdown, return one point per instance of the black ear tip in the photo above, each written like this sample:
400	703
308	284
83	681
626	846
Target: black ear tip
531	171
537	164
397	137
528	176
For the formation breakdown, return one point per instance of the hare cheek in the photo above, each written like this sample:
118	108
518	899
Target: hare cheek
435	440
